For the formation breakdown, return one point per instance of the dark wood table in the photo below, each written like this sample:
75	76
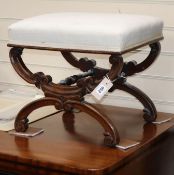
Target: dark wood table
74	145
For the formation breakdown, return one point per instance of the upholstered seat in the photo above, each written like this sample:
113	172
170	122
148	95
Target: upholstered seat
86	31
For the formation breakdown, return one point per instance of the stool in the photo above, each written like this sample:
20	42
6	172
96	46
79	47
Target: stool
99	33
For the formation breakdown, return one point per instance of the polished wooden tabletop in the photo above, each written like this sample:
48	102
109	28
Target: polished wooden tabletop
75	145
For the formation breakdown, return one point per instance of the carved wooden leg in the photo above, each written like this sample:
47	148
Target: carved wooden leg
150	112
21	122
68	120
130	68
84	64
19	66
111	134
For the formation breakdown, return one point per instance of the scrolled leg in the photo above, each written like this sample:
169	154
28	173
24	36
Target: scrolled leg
19	66
68	120
130	68
150	112
21	122
84	64
111	134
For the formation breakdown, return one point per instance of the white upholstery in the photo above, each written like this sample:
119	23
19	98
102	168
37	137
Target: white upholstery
86	31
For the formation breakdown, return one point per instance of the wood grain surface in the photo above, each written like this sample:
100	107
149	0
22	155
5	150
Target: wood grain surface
74	145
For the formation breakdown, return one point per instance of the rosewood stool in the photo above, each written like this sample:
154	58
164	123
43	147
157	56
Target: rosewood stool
99	33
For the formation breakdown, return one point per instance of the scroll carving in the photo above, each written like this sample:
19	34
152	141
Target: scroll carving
132	67
84	64
69	93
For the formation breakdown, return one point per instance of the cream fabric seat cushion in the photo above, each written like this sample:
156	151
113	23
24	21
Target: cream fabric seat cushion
111	32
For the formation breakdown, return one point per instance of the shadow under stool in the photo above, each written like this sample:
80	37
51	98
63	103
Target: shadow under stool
96	33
